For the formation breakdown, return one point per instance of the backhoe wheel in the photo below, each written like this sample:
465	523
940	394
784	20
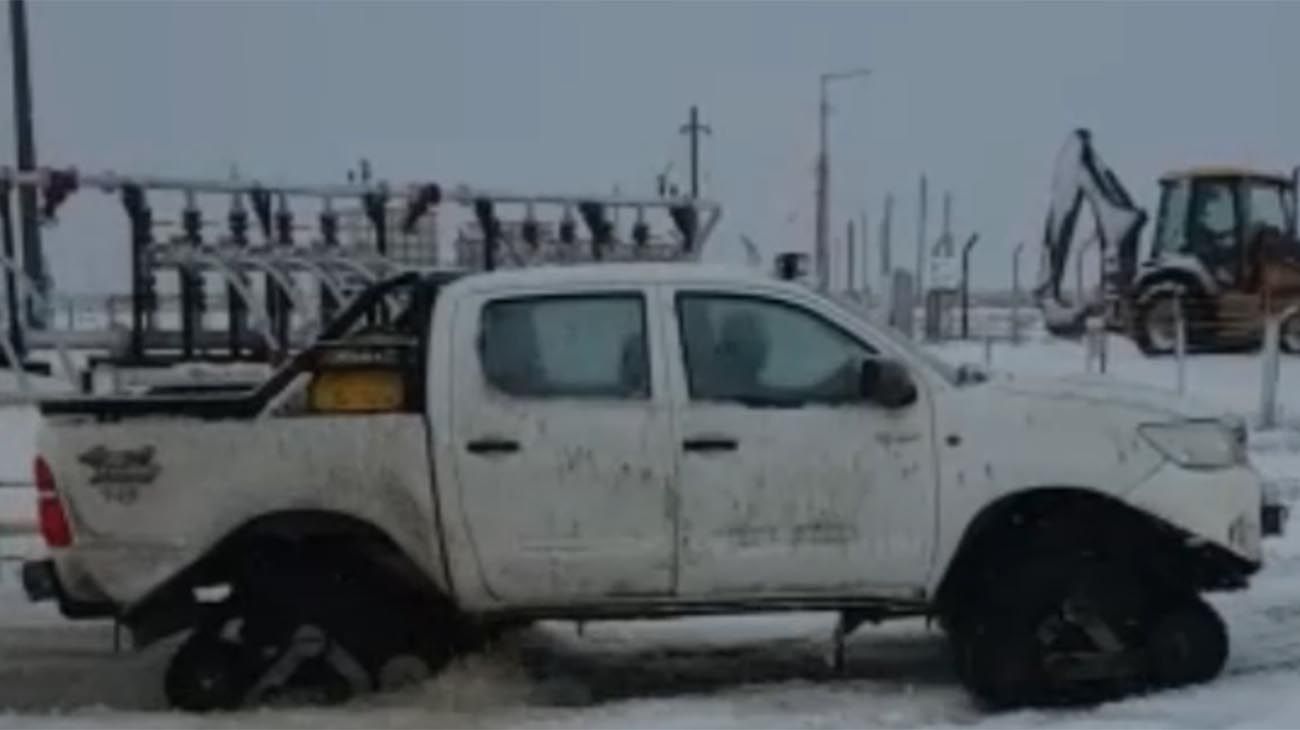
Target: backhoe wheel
1055	629
1186	645
1156	324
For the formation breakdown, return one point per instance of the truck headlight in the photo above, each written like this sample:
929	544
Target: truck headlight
1198	444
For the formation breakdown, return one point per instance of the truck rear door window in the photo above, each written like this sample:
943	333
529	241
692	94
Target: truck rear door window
589	346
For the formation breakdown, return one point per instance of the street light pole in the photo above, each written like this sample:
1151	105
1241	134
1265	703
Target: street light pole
29	224
822	231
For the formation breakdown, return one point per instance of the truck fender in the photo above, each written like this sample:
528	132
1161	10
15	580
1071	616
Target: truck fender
174	606
1058	517
1182	269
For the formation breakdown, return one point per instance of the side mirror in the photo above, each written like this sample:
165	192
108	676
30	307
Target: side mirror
886	383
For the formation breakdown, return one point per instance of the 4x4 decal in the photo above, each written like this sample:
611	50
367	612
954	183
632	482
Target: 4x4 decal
119	473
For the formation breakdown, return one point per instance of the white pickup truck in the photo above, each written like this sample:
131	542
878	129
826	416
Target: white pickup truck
457	455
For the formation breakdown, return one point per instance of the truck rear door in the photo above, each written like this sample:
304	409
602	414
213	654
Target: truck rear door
561	446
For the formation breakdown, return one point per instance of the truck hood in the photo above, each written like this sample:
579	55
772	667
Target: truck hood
1158	402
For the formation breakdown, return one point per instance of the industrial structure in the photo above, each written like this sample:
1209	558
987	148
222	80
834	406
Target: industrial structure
278	278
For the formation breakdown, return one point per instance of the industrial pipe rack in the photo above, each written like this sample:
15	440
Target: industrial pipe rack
259	244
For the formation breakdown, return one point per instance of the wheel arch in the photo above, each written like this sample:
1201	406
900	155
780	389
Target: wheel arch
1066	516
1183	275
172	606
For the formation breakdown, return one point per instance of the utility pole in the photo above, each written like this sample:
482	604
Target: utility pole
947	211
12	307
693	128
886	246
33	258
866	251
822	231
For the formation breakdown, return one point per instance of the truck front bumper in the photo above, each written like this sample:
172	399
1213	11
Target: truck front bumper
1222	507
41	583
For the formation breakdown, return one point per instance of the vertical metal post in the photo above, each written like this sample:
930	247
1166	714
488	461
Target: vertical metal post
902	305
486	216
142	301
1180	345
849	264
191	224
866	254
236	307
886	246
25	140
1270	359
12	305
947	214
965	284
376	209
695	154
693	128
821	246
1015	293
284	239
820	250
1103	346
1078	271
922	215
329	234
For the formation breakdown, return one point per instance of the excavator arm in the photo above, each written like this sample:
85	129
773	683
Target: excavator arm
1081	177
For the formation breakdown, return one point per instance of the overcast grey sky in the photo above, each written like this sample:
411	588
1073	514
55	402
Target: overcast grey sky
581	96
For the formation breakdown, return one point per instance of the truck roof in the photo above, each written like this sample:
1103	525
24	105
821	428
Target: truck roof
1226	171
605	273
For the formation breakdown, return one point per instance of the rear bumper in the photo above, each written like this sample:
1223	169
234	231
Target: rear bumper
41	583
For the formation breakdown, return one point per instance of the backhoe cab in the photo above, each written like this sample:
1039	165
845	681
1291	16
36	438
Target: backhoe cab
1224	250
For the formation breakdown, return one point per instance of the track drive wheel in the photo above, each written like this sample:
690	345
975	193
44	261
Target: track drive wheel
1057	629
1187	645
208	673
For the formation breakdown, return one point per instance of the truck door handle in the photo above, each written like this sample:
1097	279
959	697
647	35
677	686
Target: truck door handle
492	446
709	444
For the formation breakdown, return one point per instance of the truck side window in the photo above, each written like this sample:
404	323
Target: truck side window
763	352
566	346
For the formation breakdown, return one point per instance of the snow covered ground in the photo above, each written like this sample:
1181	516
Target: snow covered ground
750	672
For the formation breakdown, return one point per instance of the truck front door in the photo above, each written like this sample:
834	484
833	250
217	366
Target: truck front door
790	483
561	446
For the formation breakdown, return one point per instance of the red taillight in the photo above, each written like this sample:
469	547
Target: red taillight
49	510
43	477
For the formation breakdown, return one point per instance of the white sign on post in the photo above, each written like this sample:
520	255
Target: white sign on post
944	273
